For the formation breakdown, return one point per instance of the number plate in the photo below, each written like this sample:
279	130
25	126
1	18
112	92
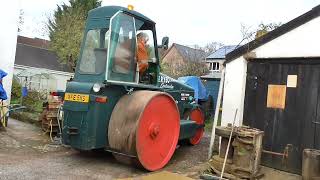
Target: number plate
76	97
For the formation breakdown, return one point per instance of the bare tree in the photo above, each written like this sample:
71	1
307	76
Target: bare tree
42	28
248	34
21	20
211	47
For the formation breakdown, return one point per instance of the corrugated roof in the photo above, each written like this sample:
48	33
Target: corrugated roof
189	53
221	52
27	55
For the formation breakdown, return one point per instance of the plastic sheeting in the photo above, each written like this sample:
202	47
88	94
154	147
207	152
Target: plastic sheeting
200	91
3	94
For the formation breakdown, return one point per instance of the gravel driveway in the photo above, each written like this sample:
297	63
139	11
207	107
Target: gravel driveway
26	153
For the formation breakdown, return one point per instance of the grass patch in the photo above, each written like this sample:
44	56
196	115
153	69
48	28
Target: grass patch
33	103
209	123
30	117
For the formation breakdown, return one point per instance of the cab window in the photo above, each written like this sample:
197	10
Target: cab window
94	52
122	48
130	60
149	76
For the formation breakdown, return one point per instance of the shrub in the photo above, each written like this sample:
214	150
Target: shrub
33	101
16	92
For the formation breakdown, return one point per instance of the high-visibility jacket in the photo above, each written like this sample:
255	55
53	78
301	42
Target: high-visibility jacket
3	94
142	57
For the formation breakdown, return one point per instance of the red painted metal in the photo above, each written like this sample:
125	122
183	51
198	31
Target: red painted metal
158	132
101	99
197	116
54	94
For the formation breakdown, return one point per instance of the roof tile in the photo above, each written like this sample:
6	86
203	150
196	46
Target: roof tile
27	55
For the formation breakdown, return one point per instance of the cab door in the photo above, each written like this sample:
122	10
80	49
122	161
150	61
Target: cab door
121	64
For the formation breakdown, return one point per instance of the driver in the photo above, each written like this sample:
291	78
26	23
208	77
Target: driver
142	53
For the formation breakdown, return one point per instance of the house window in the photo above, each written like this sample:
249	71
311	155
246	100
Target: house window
214	66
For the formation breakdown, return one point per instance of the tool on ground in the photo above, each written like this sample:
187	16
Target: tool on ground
210	177
110	104
284	155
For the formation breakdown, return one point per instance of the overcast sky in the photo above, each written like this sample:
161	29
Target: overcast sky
187	22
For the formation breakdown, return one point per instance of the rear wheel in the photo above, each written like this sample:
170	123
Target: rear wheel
197	116
145	124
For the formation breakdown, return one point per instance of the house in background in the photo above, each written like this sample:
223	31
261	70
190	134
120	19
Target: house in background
39	68
214	63
215	60
161	52
35	42
178	54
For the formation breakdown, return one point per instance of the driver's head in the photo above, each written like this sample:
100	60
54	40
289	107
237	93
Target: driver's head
143	37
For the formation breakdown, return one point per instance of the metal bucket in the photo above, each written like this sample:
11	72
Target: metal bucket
311	164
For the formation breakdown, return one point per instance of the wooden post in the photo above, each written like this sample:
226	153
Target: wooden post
216	114
229	143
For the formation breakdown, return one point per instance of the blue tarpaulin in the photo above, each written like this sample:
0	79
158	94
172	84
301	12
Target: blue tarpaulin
200	91
3	94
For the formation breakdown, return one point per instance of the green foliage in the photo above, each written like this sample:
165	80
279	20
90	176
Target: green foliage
66	29
209	122
15	92
265	28
33	101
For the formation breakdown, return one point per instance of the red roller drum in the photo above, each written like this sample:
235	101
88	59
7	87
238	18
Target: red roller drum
145	124
197	116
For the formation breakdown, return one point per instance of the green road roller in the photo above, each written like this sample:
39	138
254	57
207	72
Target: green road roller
123	104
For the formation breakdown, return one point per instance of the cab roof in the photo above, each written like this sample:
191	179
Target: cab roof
108	11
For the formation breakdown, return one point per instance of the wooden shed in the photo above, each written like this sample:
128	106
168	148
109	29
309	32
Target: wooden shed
274	82
212	82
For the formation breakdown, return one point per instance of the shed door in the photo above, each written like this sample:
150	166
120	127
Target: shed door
288	112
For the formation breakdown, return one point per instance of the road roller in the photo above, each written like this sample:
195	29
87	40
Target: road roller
110	105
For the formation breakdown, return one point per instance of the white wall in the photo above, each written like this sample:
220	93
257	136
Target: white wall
9	13
234	91
58	79
303	41
62	80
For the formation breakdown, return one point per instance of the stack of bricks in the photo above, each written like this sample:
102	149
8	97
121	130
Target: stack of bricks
49	116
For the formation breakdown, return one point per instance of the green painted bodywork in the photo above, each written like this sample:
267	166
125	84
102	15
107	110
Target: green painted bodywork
85	125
